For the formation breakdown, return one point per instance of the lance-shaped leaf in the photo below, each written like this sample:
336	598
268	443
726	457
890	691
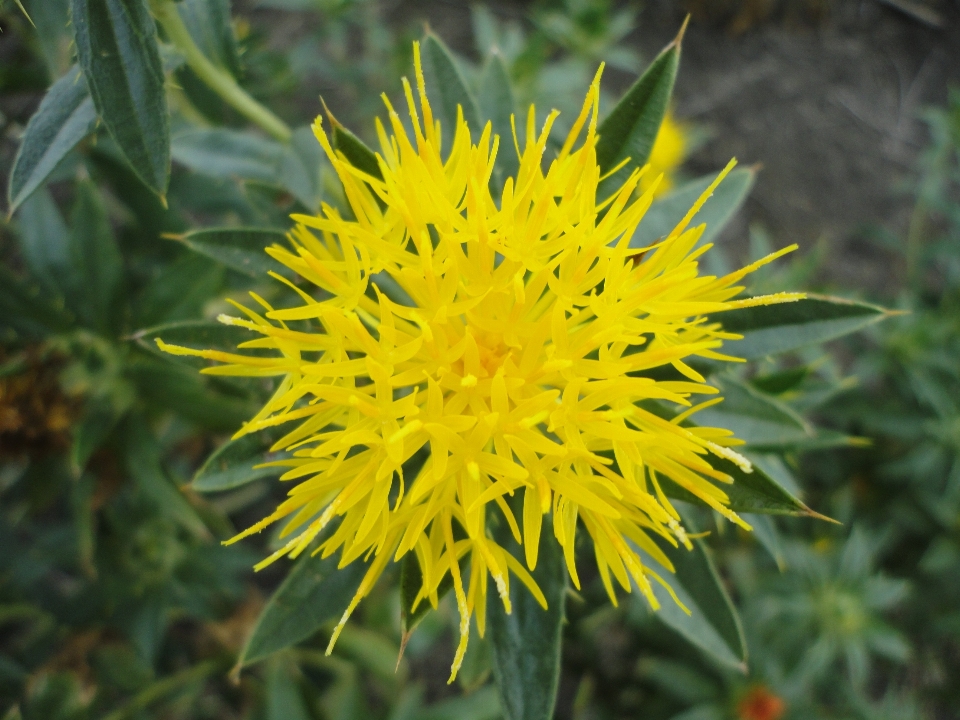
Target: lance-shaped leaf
238	462
716	212
753	492
525	644
411	580
26	310
96	261
65	117
313	594
631	128
194	334
353	148
240	249
143	464
446	87
45	244
117	49
712	624
774	329
497	105
759	419
220	152
208	22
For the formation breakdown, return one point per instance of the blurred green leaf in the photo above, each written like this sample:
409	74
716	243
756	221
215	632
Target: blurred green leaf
96	261
208	22
495	98
196	334
234	463
716	212
240	249
632	126
411	580
775	329
481	705
81	502
760	420
66	115
447	88
373	651
525	645
179	290
45	245
99	418
713	624
51	19
117	49
220	152
313	594
168	385
26	309
143	464
766	532
284	697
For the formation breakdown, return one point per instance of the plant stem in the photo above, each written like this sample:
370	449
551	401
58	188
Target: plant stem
218	79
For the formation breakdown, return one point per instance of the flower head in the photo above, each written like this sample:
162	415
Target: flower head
508	336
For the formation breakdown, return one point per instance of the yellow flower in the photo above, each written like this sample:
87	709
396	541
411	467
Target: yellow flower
515	353
668	152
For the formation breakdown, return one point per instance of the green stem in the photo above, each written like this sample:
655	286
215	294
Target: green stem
219	80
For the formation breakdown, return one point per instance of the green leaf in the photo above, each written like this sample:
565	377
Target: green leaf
411	580
143	464
235	462
631	127
713	624
773	329
52	21
99	418
496	103
313	594
766	532
240	249
759	419
284	697
44	244
179	290
481	705
81	504
117	49
447	88
716	212
227	153
25	309
95	257
196	334
65	117
173	386
208	22
753	492
525	644
353	148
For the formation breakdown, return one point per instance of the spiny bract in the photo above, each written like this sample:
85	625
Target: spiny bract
510	336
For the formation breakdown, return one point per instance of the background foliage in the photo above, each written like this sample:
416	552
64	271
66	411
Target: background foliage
116	598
